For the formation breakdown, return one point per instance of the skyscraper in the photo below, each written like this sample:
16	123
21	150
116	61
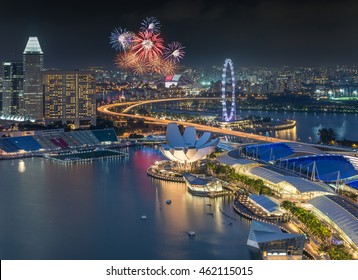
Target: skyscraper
12	88
70	97
33	65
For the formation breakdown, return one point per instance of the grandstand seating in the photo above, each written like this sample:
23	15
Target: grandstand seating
57	140
15	144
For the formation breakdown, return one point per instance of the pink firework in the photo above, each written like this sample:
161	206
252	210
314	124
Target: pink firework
147	45
174	52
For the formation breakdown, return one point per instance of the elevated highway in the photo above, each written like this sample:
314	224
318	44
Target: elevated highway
108	110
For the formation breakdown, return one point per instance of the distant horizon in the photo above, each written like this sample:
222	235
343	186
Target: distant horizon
252	33
107	66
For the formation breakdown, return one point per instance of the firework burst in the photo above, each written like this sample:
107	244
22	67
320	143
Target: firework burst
151	24
169	68
174	52
126	60
144	52
140	67
121	39
148	45
156	64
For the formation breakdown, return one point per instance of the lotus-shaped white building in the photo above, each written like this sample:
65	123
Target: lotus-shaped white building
187	148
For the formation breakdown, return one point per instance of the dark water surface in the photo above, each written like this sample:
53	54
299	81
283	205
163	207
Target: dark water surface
92	211
308	124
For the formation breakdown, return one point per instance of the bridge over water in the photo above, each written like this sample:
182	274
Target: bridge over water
128	106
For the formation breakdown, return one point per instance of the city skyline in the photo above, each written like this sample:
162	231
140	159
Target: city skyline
252	33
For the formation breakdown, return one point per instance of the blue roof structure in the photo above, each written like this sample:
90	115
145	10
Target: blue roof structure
342	212
267	152
265	202
353	184
329	167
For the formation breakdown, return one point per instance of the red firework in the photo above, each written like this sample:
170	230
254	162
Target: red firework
148	45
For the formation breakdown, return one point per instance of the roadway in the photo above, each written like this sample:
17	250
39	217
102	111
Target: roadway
106	109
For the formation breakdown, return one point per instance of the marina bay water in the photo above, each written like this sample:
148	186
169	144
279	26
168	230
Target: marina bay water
308	124
93	211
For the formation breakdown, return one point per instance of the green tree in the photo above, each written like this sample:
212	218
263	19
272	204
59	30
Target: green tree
326	135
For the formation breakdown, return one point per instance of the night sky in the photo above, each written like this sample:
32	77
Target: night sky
252	33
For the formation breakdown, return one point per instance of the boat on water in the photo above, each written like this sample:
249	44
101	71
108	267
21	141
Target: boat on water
144	217
191	233
168	201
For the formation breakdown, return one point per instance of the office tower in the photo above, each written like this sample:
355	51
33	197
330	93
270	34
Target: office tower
12	88
33	66
70	97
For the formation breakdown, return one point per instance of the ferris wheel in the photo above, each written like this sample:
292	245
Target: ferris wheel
225	116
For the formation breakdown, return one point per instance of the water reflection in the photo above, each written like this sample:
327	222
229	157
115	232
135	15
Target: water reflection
21	166
93	210
288	134
308	124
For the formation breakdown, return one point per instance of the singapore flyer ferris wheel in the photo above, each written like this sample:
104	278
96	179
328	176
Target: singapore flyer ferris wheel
225	116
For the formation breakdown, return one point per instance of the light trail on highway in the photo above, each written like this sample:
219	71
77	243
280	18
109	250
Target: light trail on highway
106	109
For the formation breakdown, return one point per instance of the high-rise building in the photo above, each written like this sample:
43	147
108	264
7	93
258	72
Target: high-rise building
12	88
70	97
33	66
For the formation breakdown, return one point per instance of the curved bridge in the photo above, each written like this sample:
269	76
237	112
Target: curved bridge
106	109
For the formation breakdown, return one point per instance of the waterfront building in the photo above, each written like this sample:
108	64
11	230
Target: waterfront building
70	97
202	186
340	214
12	88
186	149
284	182
264	205
178	80
288	186
33	66
275	244
239	164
